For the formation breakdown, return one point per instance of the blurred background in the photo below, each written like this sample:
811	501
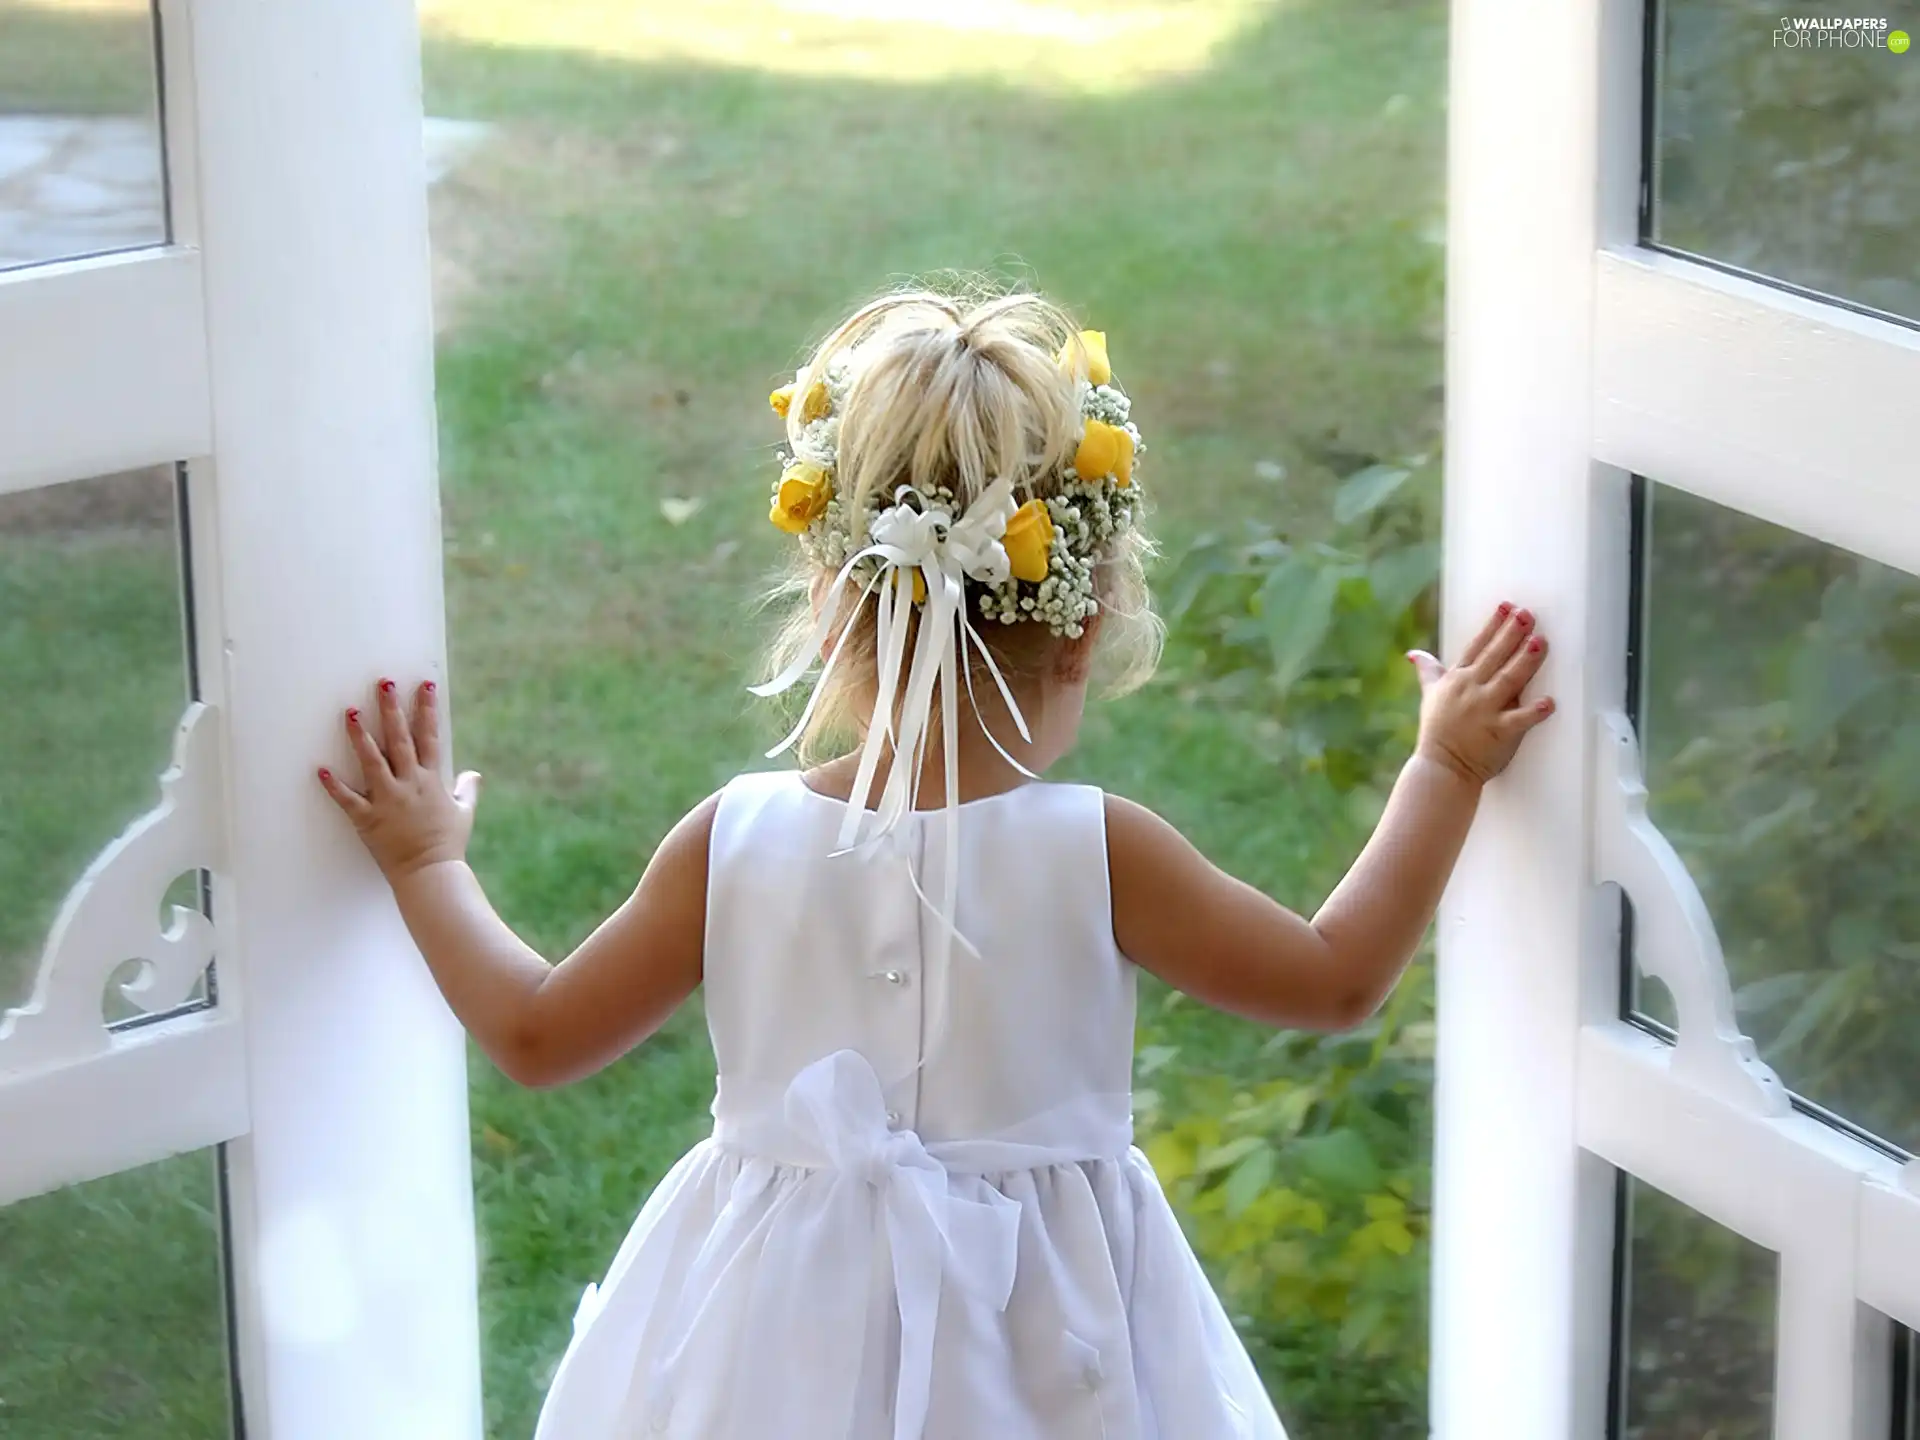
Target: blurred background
642	215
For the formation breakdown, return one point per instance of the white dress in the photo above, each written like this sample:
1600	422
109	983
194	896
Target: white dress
903	1229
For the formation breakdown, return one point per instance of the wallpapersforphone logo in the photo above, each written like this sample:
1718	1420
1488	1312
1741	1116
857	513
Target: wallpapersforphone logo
1812	32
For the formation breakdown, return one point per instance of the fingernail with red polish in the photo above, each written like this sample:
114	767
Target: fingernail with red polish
1524	618
353	717
1506	607
386	687
427	685
1534	643
325	774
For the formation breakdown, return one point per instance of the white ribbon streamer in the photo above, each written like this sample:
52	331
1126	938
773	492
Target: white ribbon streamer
946	552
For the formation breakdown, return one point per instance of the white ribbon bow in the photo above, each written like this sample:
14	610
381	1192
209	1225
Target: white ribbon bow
946	552
807	1331
836	1104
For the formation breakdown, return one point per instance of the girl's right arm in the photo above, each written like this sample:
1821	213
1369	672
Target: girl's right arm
1226	944
546	1025
541	1024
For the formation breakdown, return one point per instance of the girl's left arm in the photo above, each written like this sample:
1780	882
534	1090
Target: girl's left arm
1228	945
542	1024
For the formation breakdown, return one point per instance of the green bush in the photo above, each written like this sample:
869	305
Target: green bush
1788	161
1306	1193
1302	1168
1309	636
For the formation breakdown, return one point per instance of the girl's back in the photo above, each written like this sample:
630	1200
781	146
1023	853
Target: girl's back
808	953
920	1212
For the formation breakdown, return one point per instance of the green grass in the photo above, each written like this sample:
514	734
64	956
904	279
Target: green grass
114	1317
76	57
1239	199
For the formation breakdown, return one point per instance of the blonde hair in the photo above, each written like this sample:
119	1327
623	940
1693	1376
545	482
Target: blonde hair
958	389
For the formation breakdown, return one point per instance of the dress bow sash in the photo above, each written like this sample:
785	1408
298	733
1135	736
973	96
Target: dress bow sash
836	1104
813	1279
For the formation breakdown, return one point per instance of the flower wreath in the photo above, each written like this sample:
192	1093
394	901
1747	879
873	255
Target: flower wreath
1052	545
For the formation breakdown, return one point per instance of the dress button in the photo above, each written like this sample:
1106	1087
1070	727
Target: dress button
893	1119
894	977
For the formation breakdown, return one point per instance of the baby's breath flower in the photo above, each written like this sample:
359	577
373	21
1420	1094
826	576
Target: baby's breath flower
1089	516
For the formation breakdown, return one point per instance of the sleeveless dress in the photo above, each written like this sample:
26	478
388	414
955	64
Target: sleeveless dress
920	1215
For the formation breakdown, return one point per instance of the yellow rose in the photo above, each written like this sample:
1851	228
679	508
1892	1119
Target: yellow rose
816	405
1094	344
919	585
781	400
802	497
1029	537
1104	450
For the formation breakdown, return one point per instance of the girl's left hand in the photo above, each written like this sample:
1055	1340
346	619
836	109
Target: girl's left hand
1471	718
403	812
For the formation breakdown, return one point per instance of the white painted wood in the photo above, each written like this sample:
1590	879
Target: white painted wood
1574	359
102	366
1678	1137
1751	1173
1522	1273
1769	402
156	1090
111	916
1821	1200
354	1264
1818	1325
1674	937
1889	1261
1608	538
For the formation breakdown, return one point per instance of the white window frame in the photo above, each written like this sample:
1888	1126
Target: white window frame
281	344
1575	359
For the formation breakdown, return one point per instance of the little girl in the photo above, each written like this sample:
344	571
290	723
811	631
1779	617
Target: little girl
921	1213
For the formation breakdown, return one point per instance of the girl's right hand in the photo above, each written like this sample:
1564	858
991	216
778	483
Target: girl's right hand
1471	718
405	815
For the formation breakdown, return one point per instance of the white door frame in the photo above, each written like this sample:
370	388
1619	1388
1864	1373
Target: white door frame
282	345
1575	359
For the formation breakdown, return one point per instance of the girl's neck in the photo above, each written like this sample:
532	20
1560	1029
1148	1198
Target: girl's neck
981	768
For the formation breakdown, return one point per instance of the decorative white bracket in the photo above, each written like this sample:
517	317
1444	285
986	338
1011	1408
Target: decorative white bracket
1673	935
112	915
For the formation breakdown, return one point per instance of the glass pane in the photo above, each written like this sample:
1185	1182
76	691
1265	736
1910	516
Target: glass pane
1696	1354
113	1309
1647	997
1780	715
81	170
1785	146
91	630
1906	1385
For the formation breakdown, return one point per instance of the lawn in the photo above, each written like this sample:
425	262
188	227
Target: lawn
1246	196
